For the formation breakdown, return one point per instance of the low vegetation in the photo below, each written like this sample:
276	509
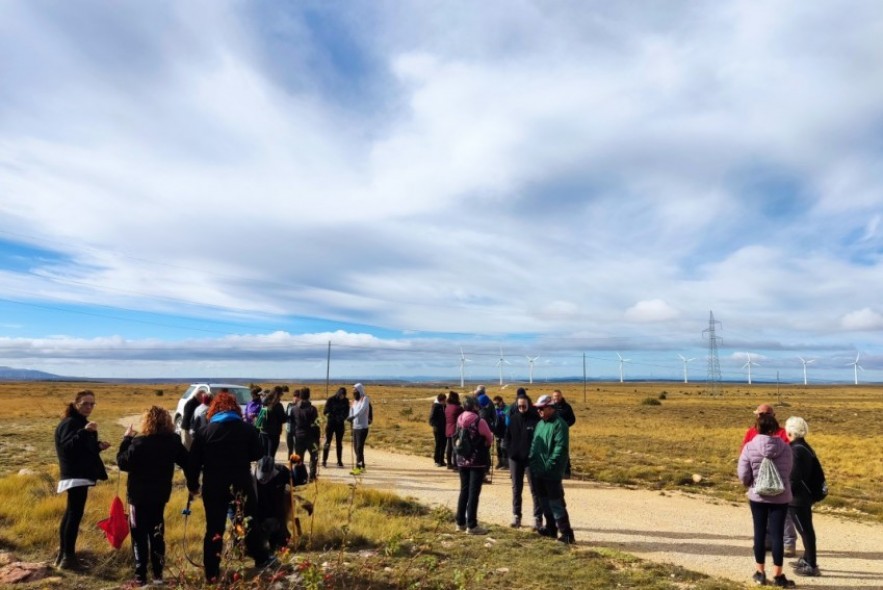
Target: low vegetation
361	538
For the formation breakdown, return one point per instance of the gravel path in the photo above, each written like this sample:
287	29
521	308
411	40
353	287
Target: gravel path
688	530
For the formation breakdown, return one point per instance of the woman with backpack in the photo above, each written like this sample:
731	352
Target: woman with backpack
453	409
805	476
473	440
767	453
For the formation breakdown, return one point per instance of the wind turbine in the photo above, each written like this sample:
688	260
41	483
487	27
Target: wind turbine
856	367
686	360
748	364
530	361
500	364
463	361
805	362
621	361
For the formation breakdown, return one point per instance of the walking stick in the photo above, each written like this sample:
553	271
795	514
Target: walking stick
186	513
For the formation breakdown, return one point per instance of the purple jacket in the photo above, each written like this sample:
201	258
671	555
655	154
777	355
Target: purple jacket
779	452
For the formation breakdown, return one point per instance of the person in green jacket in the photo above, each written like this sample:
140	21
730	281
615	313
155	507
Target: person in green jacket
548	460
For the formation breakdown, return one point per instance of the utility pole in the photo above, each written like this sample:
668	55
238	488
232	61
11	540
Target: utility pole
328	370
585	400
713	377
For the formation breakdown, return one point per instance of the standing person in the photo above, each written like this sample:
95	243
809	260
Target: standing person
199	419
564	409
150	460
360	416
270	421
500	433
488	413
519	437
548	459
221	454
472	467
790	537
767	511
290	441
453	409
336	410
437	422
253	408
801	499
78	447
187	417
306	431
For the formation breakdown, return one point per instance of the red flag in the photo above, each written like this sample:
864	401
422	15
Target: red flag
116	528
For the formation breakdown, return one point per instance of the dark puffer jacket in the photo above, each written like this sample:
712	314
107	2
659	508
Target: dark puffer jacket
150	461
222	452
77	450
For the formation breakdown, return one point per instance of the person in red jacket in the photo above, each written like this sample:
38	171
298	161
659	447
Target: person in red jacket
790	529
453	409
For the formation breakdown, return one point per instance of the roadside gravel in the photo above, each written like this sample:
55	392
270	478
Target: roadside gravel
692	531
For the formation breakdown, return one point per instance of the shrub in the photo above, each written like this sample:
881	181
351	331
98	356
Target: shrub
650	401
158	392
663	395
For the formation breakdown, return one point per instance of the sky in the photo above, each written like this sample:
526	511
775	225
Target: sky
223	188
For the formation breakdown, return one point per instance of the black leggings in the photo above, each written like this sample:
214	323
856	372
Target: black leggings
334	430
774	514
148	539
70	522
802	517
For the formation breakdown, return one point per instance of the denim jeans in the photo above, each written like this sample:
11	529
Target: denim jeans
471	479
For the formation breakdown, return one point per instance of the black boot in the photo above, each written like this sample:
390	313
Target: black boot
325	451
550	531
566	531
70	562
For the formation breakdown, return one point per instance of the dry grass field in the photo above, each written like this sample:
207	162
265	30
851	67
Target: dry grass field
619	438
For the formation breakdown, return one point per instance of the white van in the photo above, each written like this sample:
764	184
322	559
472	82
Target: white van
241	392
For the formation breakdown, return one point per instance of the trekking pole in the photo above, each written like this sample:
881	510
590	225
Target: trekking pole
186	513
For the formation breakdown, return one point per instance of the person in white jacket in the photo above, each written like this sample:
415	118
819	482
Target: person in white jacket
360	417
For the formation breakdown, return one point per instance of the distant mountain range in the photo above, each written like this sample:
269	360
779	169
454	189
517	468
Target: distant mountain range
13	374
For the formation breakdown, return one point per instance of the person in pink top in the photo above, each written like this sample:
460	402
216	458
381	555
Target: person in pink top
472	466
790	530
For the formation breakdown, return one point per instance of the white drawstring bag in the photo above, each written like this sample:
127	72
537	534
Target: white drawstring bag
768	481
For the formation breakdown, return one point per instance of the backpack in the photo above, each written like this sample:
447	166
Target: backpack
467	444
261	421
768	481
815	484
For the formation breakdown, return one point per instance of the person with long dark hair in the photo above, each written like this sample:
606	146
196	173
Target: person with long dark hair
78	447
150	459
222	453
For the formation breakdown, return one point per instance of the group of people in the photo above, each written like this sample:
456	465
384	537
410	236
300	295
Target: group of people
774	510
227	460
531	440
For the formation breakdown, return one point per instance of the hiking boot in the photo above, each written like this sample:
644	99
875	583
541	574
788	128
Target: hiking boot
538	524
806	569
461	528
340	463
790	550
551	532
516	522
567	537
782	582
759	578
70	563
324	465
563	525
800	562
477	530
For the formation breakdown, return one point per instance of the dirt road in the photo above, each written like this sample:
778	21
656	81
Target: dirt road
691	531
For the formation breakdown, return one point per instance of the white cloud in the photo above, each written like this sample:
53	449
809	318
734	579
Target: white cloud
652	310
862	319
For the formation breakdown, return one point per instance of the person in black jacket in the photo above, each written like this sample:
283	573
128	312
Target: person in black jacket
800	507
519	436
271	426
222	453
307	431
564	409
337	408
187	417
289	422
150	460
78	448
437	421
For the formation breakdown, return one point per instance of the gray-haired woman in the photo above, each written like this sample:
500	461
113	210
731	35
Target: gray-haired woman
800	507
